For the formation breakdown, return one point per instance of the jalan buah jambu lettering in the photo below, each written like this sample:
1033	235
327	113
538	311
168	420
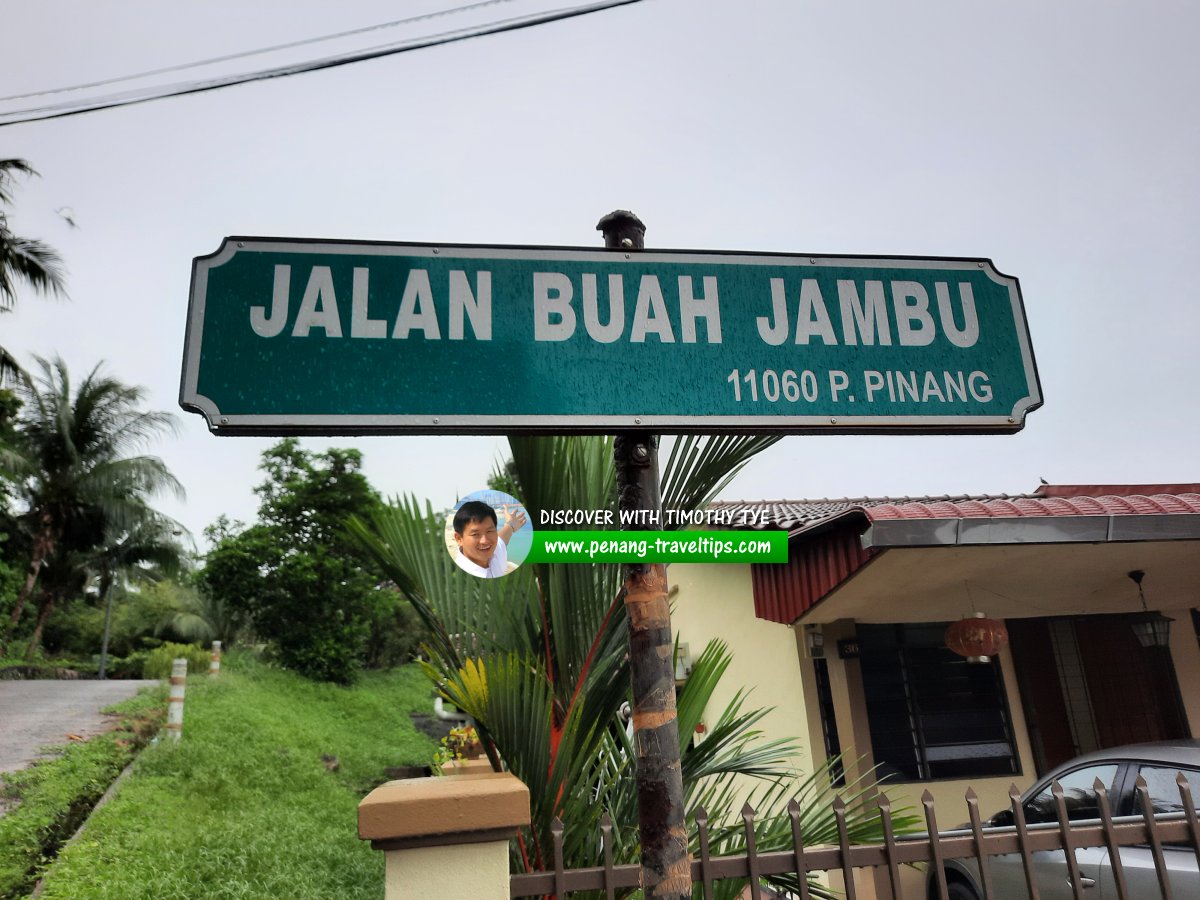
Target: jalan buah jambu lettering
607	309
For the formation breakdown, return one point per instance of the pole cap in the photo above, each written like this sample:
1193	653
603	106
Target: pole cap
622	231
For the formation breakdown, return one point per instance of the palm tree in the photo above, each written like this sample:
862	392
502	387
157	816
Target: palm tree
539	660
148	548
71	464
22	260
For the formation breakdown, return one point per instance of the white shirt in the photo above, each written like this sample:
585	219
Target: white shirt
497	566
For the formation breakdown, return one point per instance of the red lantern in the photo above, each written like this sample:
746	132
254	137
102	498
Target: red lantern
978	638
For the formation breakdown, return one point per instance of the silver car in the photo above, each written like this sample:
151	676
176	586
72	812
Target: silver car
1117	768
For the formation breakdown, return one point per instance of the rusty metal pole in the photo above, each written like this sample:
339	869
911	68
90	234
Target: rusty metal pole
666	869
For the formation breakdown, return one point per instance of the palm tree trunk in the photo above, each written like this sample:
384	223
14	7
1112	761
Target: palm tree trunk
42	545
106	594
47	607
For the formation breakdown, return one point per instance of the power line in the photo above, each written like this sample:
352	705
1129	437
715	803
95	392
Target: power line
111	101
291	45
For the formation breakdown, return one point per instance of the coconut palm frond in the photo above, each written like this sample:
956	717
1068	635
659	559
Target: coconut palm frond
699	467
86	497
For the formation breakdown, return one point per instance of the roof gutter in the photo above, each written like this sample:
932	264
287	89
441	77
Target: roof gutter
1029	530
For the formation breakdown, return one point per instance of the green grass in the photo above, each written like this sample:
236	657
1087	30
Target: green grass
243	806
54	796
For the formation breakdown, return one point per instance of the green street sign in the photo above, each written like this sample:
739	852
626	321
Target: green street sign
291	336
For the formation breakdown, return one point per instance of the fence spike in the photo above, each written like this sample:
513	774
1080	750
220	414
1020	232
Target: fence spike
1189	809
981	856
1014	798
889	843
560	869
1064	830
606	838
701	816
798	848
1110	839
1160	864
935	846
751	852
839	815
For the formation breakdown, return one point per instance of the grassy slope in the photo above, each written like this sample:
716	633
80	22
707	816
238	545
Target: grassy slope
243	806
56	794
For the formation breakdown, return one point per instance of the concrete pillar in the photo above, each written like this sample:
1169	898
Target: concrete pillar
445	836
175	699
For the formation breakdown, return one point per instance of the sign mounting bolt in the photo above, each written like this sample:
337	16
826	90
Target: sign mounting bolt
436	250
224	421
437	421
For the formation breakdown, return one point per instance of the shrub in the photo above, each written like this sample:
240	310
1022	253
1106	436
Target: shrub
75	630
158	661
396	634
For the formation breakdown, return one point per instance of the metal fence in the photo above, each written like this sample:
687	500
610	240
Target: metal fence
978	844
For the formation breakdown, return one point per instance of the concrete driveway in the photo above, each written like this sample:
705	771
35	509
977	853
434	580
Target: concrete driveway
34	714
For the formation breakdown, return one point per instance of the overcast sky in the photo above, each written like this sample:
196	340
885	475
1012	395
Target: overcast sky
1059	139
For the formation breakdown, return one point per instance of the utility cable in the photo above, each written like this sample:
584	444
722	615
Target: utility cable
111	101
291	45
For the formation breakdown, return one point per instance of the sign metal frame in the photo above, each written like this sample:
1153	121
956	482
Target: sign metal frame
224	423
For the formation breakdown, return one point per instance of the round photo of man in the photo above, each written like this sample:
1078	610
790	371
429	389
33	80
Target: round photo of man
488	534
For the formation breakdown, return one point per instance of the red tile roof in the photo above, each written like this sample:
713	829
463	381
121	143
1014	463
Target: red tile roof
798	516
1020	507
827	549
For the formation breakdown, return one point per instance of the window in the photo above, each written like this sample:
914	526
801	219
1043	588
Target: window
1079	794
1162	784
932	714
833	746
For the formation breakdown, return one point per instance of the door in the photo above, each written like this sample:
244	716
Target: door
1088	684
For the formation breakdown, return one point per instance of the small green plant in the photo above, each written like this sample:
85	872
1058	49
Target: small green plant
461	743
159	660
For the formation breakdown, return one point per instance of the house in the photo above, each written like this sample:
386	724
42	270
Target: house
847	639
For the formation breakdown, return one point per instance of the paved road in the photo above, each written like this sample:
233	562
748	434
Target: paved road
36	713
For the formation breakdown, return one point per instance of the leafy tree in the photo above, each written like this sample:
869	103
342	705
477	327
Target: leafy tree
22	259
72	467
304	585
539	660
141	613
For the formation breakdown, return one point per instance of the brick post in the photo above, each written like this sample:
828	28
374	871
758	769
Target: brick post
445	836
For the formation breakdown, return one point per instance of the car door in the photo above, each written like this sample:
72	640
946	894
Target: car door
1141	877
1050	866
